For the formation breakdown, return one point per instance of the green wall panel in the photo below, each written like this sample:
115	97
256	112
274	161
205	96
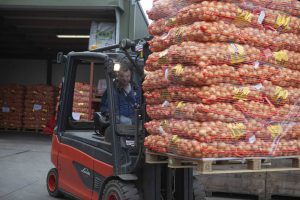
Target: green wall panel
95	4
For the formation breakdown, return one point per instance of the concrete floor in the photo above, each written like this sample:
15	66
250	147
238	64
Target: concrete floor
24	163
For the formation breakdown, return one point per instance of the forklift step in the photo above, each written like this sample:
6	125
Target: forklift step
223	165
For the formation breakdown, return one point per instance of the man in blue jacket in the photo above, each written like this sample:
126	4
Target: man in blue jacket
126	94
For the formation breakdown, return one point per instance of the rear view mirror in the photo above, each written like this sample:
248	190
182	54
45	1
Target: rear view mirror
61	58
101	122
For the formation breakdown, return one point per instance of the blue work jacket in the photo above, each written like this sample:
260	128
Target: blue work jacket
124	102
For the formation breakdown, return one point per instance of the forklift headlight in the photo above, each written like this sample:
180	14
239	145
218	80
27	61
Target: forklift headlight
117	67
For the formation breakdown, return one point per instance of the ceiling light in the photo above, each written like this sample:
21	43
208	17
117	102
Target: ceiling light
73	36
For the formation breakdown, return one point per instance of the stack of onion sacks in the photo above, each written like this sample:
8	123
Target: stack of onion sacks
221	99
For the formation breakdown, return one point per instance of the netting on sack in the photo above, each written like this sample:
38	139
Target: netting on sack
39	106
200	112
158	143
222	92
175	110
81	102
281	95
203	54
283	58
173	93
221	31
202	131
223	78
247	14
11	104
219	149
209	75
167	8
286	78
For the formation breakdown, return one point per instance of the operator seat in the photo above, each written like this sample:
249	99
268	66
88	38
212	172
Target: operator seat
108	134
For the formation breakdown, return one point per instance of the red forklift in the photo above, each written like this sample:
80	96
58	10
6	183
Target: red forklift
103	159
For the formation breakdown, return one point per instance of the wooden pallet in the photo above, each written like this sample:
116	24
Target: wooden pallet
10	129
218	166
32	130
263	185
248	165
173	161
155	158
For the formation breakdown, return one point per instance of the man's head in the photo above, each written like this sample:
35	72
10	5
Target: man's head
124	74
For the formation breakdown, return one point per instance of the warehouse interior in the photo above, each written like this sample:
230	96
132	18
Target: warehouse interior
29	42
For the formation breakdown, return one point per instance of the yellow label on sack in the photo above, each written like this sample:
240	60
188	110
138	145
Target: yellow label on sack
175	139
171	21
237	53
237	129
280	94
178	111
80	104
180	105
178	69
162	54
282	22
162	57
243	16
178	34
164	123
281	57
275	130
81	92
241	93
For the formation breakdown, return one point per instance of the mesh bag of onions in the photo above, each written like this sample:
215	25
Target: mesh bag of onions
223	78
39	106
11	103
81	102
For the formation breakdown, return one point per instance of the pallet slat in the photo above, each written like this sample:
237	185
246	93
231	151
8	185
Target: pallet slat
10	129
153	158
31	130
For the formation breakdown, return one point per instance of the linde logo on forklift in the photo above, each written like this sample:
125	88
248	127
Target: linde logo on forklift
86	171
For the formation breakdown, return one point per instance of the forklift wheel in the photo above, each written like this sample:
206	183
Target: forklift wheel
198	190
118	190
52	183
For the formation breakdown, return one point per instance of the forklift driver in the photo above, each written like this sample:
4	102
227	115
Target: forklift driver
126	94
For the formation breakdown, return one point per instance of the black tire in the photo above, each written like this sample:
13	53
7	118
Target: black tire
52	183
118	190
198	190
